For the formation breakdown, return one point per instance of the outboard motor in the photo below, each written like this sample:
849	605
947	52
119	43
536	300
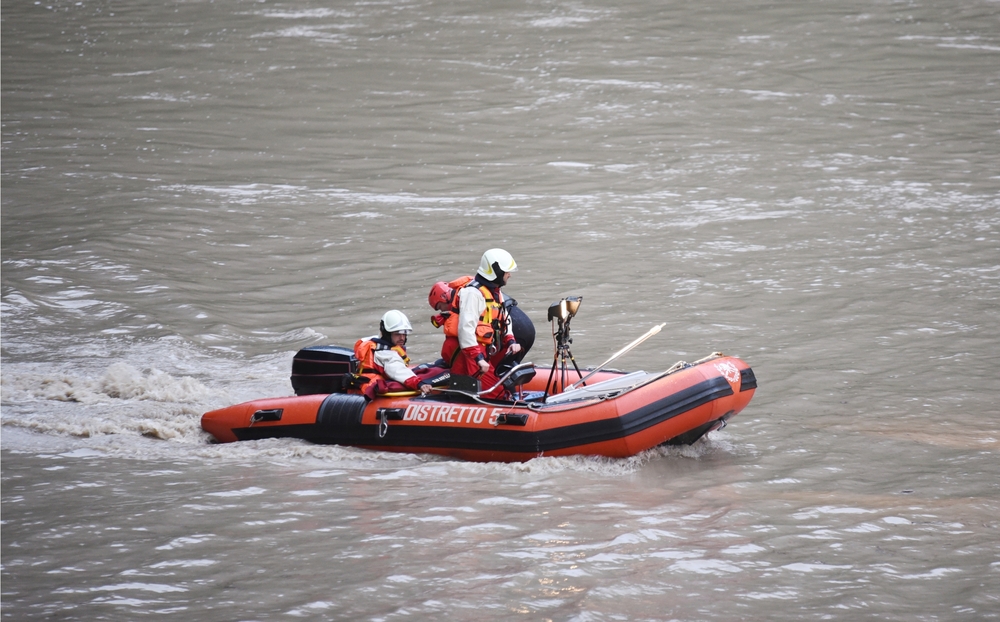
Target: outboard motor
321	369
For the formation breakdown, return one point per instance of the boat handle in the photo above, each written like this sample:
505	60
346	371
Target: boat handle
273	414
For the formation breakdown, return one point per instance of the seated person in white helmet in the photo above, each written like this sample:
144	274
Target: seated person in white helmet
383	363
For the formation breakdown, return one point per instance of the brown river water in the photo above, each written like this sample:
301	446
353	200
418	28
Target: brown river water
192	191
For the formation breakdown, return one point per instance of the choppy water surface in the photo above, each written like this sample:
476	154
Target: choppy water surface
193	191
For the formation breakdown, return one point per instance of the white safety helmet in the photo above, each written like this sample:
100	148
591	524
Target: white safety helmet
396	322
493	260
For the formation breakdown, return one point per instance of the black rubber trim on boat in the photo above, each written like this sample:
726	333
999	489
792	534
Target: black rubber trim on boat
747	380
691	436
339	411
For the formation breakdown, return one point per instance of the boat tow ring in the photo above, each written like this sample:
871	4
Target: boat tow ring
385	415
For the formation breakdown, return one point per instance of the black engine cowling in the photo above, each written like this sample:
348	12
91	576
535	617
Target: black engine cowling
321	369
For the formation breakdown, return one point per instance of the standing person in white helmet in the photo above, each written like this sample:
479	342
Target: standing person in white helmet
484	327
383	361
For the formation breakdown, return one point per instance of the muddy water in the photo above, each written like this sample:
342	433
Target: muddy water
193	191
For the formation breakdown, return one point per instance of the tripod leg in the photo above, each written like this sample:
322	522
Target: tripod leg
552	373
577	368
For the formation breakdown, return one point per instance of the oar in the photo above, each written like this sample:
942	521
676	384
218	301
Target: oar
652	331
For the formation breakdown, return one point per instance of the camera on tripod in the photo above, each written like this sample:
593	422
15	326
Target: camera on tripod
560	313
565	309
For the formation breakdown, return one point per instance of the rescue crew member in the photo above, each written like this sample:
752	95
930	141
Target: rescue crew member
382	359
484	329
444	299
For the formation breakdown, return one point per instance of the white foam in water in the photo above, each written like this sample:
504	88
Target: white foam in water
121	381
120	401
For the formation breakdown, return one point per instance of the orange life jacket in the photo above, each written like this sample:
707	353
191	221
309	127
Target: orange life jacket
364	352
456	285
450	316
492	323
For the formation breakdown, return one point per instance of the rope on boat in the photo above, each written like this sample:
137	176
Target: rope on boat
713	355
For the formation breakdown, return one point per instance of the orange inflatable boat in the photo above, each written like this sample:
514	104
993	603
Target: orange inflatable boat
609	413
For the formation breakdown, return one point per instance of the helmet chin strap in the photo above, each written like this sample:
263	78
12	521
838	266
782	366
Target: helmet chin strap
498	280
